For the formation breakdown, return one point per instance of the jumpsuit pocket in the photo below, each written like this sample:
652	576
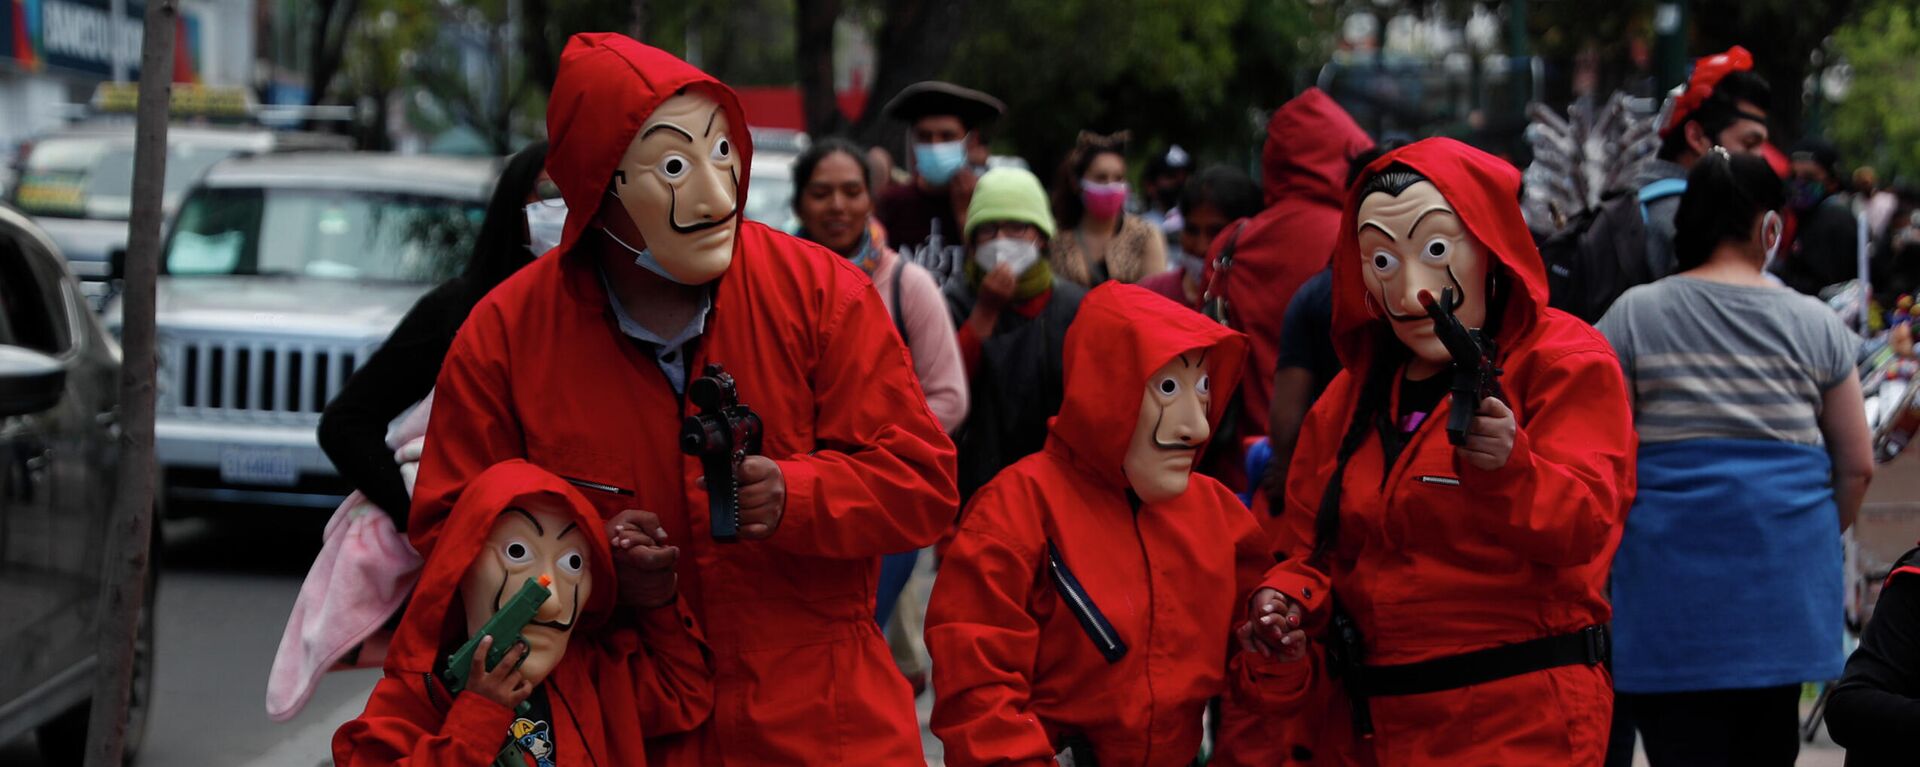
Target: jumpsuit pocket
604	479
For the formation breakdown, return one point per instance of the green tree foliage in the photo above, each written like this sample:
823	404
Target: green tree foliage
1879	122
1185	71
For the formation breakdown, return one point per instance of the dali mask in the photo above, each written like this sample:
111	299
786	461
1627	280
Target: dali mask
527	542
1171	428
1413	242
679	186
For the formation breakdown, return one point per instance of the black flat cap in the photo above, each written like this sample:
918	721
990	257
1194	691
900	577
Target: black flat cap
932	97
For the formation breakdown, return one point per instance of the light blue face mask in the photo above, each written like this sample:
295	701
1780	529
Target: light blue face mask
938	162
642	257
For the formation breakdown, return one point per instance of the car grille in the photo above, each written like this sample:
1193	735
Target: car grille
262	379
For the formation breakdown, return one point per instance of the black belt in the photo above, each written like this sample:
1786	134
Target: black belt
1589	647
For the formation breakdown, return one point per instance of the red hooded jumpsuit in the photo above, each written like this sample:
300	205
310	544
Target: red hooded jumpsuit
541	370
1310	142
1015	673
613	685
1436	558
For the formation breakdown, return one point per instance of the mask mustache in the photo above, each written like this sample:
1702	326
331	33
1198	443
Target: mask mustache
673	214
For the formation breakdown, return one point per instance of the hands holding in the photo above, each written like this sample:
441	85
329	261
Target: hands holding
763	497
1273	627
642	559
504	684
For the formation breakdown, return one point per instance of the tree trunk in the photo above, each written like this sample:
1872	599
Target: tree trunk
328	48
814	21
638	27
131	528
915	42
542	64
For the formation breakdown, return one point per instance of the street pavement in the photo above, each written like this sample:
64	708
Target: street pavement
227	586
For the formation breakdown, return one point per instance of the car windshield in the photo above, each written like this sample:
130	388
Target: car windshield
336	234
92	176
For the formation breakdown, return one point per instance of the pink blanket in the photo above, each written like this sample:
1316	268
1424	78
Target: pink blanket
363	574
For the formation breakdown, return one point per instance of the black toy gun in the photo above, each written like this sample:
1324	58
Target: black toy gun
721	436
1476	376
1345	649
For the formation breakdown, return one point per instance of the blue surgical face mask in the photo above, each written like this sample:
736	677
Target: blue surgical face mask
546	223
642	257
938	162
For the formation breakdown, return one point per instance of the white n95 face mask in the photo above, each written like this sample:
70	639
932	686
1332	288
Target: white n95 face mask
1018	255
546	222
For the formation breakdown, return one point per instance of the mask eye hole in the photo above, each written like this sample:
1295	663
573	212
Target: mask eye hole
1436	251
1204	386
1385	263
674	167
571	563
517	552
1167	387
722	149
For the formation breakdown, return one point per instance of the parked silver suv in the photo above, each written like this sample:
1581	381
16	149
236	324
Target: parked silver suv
282	273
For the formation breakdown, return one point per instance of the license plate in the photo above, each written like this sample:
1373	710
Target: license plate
258	466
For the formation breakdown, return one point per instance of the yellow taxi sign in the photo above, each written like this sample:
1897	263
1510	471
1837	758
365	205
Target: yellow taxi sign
189	100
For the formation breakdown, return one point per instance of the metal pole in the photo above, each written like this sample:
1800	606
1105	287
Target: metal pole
1670	29
116	47
131	527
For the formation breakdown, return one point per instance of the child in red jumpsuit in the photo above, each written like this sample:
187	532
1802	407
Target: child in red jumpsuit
577	692
1088	601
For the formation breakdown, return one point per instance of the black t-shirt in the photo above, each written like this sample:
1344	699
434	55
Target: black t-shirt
1417	401
533	732
921	226
1875	709
1306	334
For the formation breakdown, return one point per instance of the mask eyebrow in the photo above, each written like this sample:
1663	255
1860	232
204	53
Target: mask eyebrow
523	512
710	118
571	527
1381	229
668	126
1428	212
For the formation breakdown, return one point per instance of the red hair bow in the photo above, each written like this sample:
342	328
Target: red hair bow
1707	73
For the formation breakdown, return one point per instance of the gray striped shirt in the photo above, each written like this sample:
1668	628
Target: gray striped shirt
1707	360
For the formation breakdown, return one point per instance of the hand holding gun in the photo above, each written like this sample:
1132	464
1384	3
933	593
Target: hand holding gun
722	436
503	631
1476	376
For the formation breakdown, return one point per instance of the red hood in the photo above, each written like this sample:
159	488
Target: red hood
607	87
1310	141
1484	190
1121	334
418	643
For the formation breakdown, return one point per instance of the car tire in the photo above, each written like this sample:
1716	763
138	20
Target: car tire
63	740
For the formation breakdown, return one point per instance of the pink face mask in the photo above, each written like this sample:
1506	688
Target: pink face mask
1103	200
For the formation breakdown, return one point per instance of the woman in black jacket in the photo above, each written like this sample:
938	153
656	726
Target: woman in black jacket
353	430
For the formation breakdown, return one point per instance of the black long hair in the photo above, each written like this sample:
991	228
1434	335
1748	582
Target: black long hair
1725	193
1371	412
1068	208
502	248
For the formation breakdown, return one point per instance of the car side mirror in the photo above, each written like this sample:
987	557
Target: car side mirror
117	263
30	382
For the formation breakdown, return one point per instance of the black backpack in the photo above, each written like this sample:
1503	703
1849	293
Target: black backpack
1602	252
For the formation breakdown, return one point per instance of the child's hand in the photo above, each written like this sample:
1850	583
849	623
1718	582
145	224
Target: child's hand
1273	627
642	560
504	684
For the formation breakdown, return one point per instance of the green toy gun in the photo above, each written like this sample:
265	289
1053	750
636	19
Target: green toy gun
504	627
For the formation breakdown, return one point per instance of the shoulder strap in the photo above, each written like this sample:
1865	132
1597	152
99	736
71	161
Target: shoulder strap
1660	190
899	313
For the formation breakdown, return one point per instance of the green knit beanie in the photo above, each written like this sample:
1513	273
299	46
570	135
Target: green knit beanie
1009	194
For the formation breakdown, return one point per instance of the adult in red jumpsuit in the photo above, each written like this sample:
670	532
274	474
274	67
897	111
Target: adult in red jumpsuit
1440	550
599	690
549	367
1162	555
1310	141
